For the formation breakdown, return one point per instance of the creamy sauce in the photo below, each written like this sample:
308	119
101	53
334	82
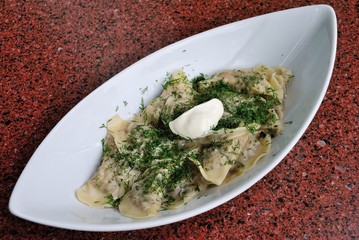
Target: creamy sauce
199	120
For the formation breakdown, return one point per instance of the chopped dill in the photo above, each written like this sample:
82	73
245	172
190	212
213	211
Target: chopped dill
111	201
142	104
197	79
143	91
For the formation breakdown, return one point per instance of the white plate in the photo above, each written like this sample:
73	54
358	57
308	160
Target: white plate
303	39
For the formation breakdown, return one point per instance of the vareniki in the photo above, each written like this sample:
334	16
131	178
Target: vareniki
195	135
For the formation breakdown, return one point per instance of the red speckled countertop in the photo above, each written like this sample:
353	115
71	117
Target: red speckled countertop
54	53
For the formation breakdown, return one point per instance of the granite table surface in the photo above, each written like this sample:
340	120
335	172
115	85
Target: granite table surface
54	53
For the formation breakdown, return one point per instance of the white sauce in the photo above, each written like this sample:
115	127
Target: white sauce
199	120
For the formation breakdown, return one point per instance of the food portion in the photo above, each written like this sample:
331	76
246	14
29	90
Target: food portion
195	135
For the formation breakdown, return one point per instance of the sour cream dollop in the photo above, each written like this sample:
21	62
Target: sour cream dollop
199	120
